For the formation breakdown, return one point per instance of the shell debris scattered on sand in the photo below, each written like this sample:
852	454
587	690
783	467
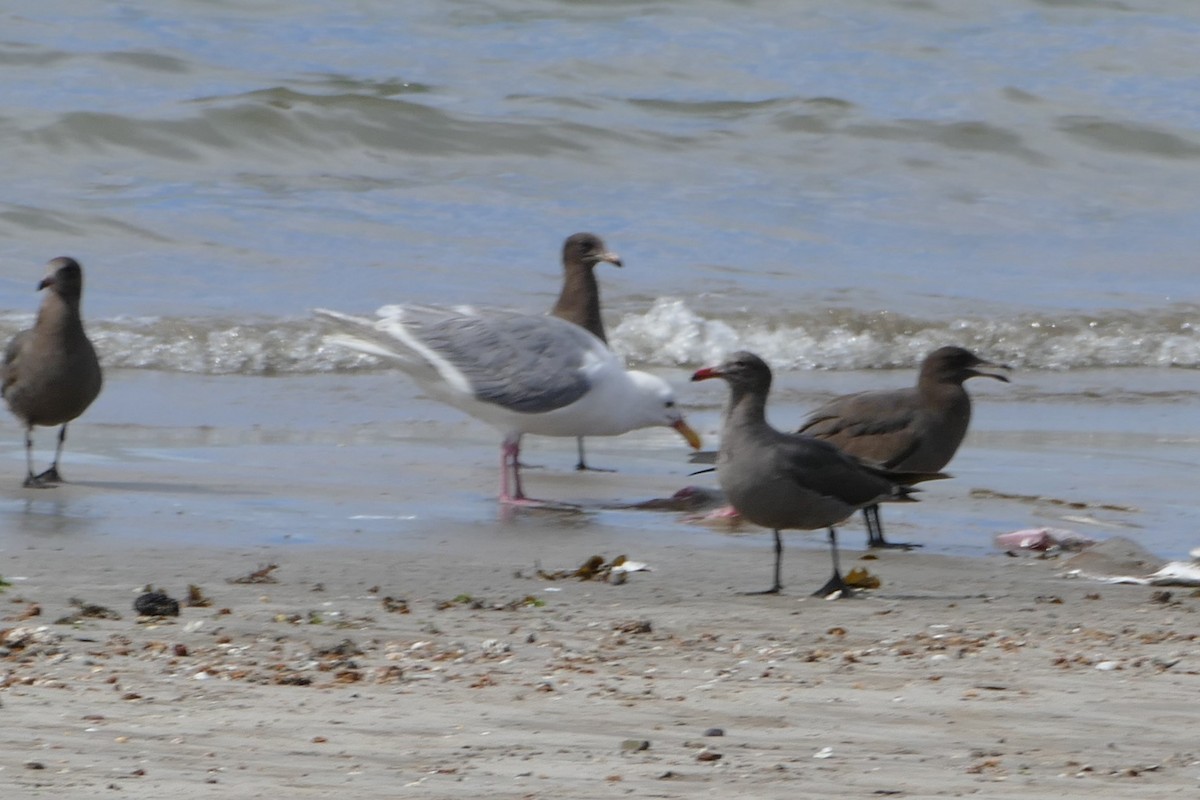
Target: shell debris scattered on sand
1042	540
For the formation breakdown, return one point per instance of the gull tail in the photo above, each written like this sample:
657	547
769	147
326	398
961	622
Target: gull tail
358	333
912	478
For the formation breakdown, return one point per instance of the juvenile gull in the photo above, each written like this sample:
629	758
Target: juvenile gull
51	373
521	373
788	481
579	301
915	429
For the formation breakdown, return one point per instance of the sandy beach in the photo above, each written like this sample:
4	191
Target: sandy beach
371	623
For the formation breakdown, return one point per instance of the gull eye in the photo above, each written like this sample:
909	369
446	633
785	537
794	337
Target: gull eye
669	404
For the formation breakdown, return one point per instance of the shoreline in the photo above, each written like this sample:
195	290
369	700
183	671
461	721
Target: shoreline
258	459
408	644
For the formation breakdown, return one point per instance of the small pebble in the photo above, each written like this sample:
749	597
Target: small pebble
714	732
156	604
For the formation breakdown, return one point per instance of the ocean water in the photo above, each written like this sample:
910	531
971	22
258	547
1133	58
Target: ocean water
837	185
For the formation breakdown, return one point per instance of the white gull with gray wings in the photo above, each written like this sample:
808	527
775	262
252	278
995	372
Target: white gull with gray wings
519	372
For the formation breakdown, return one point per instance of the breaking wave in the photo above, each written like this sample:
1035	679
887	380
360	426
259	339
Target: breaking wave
671	334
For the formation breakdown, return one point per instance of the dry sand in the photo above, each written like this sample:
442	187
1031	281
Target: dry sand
405	645
465	678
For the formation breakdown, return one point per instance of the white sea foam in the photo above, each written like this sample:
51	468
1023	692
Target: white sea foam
672	333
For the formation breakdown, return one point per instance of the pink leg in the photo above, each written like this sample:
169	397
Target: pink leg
516	470
725	512
510	459
503	471
510	462
510	452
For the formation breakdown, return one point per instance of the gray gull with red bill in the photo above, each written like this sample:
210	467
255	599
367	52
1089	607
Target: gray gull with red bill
787	481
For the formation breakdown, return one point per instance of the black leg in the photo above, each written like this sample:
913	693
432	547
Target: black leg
778	587
516	471
871	518
48	478
31	480
875	532
51	475
835	582
582	465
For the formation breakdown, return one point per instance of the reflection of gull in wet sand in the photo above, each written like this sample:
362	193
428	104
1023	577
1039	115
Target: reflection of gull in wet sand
518	372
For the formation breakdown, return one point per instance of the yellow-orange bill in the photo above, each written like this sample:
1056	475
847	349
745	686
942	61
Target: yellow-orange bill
686	432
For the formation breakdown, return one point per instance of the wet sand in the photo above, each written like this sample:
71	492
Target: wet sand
407	644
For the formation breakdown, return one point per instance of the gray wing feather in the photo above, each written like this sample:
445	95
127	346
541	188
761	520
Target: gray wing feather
523	362
823	468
